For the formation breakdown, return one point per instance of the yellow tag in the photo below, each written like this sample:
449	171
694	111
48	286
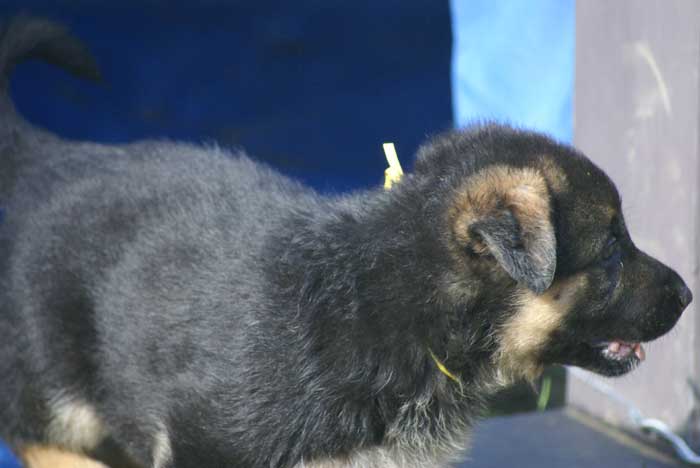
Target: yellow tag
392	175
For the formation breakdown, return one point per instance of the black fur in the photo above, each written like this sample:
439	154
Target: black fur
183	287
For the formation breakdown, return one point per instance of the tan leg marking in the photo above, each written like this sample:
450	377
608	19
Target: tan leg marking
41	456
75	424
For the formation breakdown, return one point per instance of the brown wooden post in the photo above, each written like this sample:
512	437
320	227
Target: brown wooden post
636	114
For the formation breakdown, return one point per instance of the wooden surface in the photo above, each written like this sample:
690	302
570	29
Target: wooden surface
636	114
559	439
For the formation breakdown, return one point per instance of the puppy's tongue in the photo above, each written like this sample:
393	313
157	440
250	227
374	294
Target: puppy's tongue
623	349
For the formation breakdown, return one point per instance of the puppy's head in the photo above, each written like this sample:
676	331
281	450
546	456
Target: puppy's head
537	239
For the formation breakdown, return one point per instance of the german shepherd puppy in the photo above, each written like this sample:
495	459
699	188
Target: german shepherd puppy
193	308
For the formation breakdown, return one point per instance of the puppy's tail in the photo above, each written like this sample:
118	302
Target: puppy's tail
25	38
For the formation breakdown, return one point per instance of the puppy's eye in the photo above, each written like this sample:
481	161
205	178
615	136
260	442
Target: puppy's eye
611	249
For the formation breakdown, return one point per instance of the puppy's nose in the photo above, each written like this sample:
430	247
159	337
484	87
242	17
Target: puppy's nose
685	297
675	286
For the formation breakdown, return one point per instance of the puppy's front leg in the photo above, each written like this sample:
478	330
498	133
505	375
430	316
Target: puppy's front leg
44	456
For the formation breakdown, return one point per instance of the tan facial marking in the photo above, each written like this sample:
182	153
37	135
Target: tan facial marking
524	336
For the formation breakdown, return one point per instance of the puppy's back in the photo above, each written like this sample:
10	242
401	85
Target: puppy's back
104	247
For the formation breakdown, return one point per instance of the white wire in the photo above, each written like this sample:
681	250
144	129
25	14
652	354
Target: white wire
656	426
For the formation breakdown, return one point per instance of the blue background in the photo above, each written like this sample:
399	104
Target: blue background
514	62
313	87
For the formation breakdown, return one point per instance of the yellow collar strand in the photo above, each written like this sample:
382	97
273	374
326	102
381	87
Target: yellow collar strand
392	175
444	368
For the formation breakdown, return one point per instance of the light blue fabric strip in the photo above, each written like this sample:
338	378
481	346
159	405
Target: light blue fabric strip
513	61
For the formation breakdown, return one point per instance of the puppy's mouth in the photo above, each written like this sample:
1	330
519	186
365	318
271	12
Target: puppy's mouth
612	358
619	350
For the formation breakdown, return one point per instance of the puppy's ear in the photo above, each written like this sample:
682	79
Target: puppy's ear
506	212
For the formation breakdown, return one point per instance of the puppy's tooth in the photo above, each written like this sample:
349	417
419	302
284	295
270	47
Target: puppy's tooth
639	351
614	347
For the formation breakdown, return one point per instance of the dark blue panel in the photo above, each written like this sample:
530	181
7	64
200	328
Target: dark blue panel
314	87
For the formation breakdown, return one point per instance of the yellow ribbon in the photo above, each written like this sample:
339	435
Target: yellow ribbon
392	175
